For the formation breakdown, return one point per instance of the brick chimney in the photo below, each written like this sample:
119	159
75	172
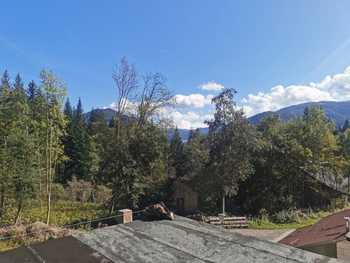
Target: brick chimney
124	216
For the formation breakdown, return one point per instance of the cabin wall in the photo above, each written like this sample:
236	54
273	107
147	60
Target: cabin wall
343	250
329	249
185	199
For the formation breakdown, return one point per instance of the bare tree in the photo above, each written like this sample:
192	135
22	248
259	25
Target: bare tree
154	96
125	79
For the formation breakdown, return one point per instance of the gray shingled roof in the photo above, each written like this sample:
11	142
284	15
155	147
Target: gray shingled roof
185	240
181	240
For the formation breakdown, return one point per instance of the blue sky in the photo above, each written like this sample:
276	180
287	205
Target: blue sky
269	51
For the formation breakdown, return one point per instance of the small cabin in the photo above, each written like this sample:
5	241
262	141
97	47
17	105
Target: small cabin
185	198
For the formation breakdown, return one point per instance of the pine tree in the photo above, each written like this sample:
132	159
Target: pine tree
38	119
68	111
346	125
176	154
17	145
100	137
76	145
67	168
5	122
80	143
5	81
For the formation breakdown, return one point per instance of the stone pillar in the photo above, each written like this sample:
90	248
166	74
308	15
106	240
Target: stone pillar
124	216
347	224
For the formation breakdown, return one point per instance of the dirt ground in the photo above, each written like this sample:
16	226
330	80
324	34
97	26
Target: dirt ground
271	235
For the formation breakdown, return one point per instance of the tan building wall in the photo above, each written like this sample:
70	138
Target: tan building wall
343	250
186	200
326	249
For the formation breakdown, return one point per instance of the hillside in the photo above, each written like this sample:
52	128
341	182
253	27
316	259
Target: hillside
337	111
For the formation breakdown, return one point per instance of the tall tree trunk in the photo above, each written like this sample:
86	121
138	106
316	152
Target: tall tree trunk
40	194
111	206
2	201
48	208
223	204
2	193
19	211
39	160
48	177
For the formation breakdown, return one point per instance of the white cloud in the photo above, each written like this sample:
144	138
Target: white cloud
130	106
182	118
192	110
193	100
212	86
185	120
335	88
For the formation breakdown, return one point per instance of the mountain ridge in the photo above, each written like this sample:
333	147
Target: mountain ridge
337	111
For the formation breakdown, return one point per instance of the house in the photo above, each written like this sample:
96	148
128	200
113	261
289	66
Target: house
185	198
326	237
179	240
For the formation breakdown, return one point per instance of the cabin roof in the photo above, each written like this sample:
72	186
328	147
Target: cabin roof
329	229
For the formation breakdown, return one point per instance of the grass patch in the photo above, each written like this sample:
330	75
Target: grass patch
62	213
267	224
307	220
7	245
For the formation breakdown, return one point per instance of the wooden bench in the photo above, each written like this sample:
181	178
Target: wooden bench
228	222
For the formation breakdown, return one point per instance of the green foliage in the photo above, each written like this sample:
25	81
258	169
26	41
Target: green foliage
290	219
53	153
176	154
59	193
63	213
286	216
231	141
76	145
293	158
196	157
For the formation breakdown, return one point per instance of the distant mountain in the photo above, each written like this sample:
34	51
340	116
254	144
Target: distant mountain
184	133
337	111
108	113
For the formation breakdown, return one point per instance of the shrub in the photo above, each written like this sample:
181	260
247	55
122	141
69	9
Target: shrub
84	191
79	190
102	194
58	192
340	202
263	214
287	216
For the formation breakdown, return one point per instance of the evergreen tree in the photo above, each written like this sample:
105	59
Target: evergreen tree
5	81
346	125
5	122
80	155
76	145
176	154
68	110
67	168
100	136
32	91
18	85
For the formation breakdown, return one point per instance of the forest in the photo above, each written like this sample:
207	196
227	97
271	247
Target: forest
52	151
